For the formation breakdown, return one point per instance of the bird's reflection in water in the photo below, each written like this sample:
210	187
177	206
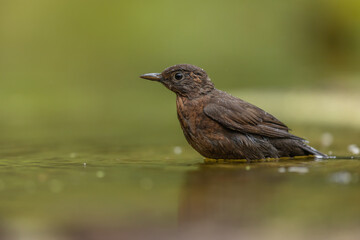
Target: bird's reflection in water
226	195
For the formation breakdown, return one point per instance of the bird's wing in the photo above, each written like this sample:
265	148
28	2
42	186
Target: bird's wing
241	116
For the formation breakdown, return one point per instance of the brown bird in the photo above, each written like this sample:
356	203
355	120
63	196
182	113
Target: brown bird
220	126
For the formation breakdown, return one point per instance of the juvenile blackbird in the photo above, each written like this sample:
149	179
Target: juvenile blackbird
220	126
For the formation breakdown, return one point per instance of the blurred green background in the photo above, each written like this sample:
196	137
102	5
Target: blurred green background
69	69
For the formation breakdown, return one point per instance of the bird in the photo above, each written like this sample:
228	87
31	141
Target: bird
220	126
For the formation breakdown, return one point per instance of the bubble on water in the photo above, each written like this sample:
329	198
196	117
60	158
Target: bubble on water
281	169
354	149
327	139
341	177
56	186
247	168
100	174
177	150
300	170
84	164
73	155
146	183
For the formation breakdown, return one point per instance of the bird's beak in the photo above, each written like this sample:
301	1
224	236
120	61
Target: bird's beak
152	76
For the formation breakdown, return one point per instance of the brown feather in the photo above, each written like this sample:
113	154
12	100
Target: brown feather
241	116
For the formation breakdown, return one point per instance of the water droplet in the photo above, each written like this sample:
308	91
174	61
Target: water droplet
340	177
100	174
300	170
327	139
354	149
177	150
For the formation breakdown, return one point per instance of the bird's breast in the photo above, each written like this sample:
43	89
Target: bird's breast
188	112
202	133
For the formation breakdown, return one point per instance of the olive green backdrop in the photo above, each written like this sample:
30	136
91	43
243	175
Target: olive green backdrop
69	69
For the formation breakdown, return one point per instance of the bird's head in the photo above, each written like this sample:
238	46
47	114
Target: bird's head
184	79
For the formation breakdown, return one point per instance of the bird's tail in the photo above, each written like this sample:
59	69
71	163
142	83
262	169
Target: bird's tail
313	151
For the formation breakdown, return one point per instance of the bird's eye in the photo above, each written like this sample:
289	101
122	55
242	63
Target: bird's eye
179	76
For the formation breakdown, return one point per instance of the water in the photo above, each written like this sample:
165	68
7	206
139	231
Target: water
91	190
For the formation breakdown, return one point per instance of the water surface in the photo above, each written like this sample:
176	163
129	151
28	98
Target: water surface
93	189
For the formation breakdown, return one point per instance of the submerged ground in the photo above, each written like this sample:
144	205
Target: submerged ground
145	183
